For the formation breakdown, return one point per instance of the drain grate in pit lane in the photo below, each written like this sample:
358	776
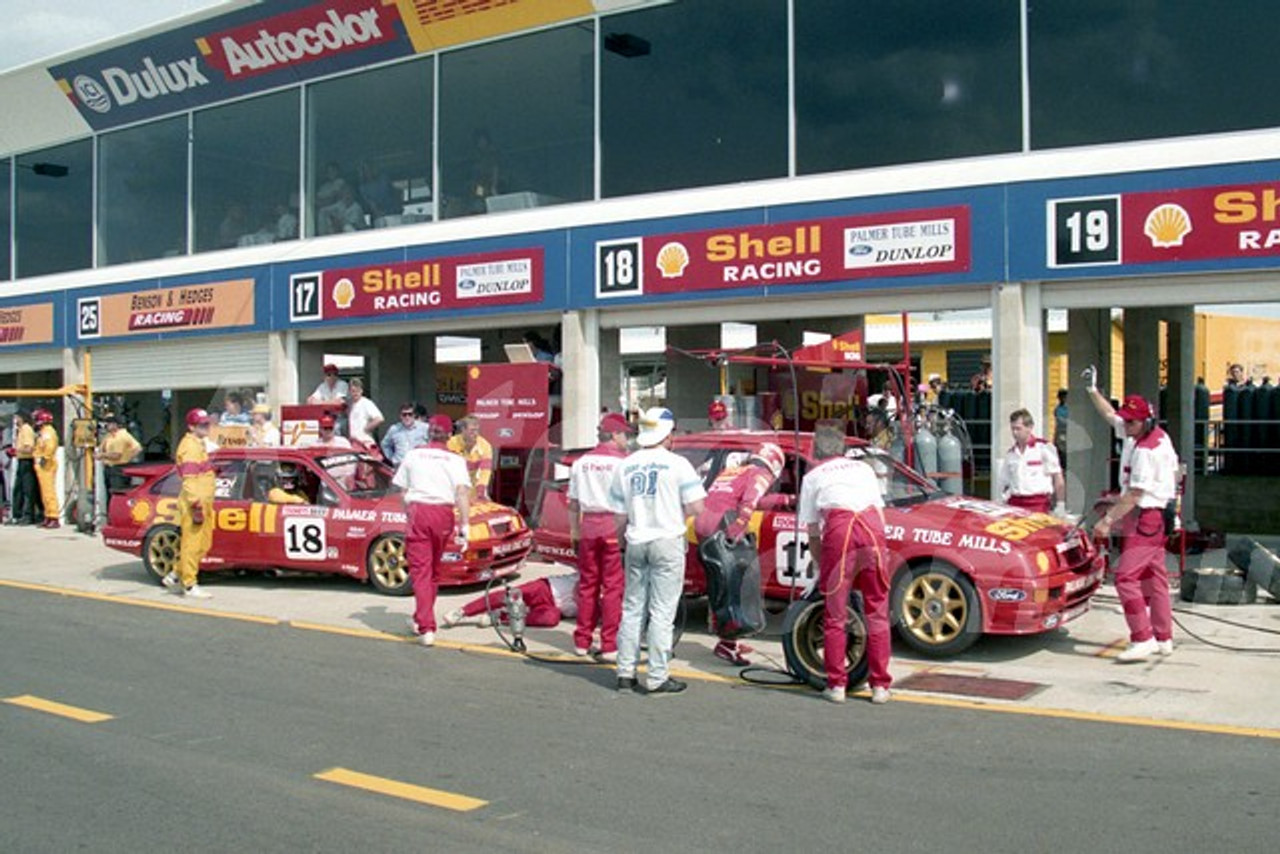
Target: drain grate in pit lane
970	686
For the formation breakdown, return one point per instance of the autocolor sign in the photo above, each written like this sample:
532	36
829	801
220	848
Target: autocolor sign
418	287
1202	223
900	243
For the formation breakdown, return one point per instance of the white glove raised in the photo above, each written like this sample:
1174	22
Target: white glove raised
1060	510
1090	375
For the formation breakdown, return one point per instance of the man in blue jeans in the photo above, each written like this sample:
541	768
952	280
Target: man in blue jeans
652	493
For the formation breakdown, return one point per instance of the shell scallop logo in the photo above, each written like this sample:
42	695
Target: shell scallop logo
672	259
474	373
141	512
1167	225
344	293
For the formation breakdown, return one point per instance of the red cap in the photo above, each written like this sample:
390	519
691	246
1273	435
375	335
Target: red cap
196	417
327	422
717	411
1135	408
331	368
614	423
440	424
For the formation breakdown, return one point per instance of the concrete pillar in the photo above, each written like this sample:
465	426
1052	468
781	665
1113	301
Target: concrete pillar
1180	400
1088	436
608	350
1142	353
1019	364
422	365
580	386
691	383
283	384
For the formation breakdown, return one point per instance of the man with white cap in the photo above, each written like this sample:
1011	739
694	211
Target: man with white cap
652	493
435	482
1148	482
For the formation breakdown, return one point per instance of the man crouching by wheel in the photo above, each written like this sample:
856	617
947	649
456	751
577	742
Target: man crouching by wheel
840	504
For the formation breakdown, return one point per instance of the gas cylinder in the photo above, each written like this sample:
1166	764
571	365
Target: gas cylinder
926	450
950	461
897	449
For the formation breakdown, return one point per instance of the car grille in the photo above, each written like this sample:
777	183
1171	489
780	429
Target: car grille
500	529
1075	554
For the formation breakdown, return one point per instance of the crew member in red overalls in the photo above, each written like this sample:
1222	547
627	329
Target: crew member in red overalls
435	483
1031	476
718	416
1148	482
548	599
593	535
841	506
731	500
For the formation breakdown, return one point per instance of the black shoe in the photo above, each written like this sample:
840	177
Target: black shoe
671	686
626	683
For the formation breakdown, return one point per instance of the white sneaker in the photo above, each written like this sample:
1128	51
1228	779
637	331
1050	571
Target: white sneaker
484	621
1140	651
833	695
171	582
194	592
580	651
880	695
452	618
607	657
427	638
1164	647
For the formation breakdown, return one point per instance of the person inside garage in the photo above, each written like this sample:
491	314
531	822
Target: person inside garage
117	449
1148	484
403	436
363	416
195	506
1031	476
842	509
478	454
593	535
718	415
288	488
435	483
25	496
731	500
548	599
46	461
331	389
262	432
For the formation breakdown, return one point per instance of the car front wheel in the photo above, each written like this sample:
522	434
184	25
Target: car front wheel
160	550
803	645
936	609
387	567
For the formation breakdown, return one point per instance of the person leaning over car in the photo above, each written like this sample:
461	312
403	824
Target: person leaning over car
841	505
652	493
1148	482
593	535
195	506
434	480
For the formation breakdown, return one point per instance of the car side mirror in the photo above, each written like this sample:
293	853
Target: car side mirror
328	498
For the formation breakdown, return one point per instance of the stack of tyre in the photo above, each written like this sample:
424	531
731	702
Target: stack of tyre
1254	567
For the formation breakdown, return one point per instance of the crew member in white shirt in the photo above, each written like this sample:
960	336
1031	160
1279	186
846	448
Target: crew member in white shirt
841	508
331	388
653	491
1031	476
363	417
436	485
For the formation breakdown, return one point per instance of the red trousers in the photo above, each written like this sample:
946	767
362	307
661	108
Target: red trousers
600	584
543	612
853	552
1038	503
429	536
1142	582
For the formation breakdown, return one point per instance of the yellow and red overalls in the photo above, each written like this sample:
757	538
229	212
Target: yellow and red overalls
46	457
197	490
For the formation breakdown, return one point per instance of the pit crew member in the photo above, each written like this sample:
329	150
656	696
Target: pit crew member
363	417
718	415
117	449
548	599
331	388
731	500
477	452
25	495
45	456
1148	482
593	534
434	480
1031	476
841	505
195	506
652	493
404	435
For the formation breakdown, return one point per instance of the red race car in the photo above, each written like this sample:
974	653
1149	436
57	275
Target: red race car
351	520
961	567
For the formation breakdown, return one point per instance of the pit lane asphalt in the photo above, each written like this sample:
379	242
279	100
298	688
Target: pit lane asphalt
1198	687
219	729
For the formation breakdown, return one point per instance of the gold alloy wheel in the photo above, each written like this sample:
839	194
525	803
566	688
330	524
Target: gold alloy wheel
803	640
162	551
388	569
935	608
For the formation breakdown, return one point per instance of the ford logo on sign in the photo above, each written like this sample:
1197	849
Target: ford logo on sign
860	249
467	285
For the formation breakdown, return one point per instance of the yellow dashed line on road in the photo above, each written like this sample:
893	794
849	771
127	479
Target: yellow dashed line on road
397	789
75	713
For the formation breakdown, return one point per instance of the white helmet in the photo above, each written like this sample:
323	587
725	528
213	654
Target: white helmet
772	456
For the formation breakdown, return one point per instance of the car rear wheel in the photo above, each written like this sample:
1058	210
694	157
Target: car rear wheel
936	609
160	550
387	567
802	642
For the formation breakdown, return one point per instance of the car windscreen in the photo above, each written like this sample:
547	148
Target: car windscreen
361	476
898	484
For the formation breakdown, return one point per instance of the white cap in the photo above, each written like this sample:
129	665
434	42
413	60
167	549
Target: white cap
656	424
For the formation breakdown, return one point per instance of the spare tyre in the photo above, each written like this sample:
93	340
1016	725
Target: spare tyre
803	646
1218	587
1260	565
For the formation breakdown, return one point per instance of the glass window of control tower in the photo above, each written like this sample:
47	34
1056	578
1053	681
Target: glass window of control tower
1139	69
54	226
516	122
245	158
693	94
369	149
901	81
4	218
142	192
